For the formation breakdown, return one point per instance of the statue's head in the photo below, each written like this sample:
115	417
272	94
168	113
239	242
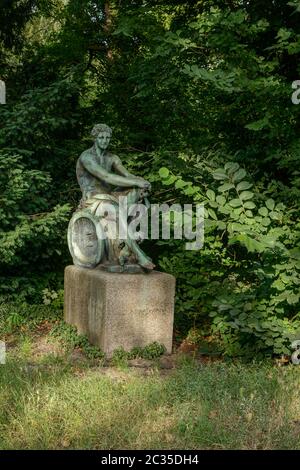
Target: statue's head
101	134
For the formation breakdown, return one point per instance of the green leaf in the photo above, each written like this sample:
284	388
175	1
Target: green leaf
269	241
295	253
266	221
280	207
231	167
212	214
243	185
170	180
209	223
189	191
279	285
237	211
263	211
245	195
219	174
249	205
270	203
235	203
225	187
211	195
292	299
274	215
225	209
239	175
221	225
180	184
221	200
164	172
251	244
236	227
258	125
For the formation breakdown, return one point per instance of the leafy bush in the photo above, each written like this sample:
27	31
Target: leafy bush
151	351
247	276
71	339
30	230
16	317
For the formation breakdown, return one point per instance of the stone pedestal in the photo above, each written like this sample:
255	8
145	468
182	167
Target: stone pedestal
120	310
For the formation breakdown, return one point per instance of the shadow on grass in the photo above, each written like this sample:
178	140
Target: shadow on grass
58	405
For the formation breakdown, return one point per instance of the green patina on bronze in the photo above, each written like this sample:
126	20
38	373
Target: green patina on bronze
105	181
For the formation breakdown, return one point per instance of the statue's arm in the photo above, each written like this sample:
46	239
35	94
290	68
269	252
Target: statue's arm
110	178
119	168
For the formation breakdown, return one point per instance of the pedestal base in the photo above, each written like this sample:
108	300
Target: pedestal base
120	310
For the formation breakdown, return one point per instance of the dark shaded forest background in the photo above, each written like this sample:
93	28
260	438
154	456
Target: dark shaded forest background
198	94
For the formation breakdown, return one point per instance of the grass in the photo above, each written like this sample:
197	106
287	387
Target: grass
55	397
48	401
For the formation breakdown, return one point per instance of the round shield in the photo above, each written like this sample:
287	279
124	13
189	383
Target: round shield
85	240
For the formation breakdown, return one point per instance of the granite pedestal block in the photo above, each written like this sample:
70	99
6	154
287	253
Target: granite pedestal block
120	310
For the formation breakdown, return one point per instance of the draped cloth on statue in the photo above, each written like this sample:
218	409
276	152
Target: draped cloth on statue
111	211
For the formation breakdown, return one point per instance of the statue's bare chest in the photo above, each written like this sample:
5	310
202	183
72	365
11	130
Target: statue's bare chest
105	161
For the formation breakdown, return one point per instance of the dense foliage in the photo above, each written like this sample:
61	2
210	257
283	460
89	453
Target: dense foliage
199	96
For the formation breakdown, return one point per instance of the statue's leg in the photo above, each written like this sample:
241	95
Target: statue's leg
120	245
133	197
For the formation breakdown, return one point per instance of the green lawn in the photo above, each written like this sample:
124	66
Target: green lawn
48	401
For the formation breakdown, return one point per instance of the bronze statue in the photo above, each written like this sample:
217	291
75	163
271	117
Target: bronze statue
106	184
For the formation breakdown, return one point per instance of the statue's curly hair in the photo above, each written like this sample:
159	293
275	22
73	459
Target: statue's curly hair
100	128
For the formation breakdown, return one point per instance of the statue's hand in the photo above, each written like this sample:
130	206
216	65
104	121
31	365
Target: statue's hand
143	184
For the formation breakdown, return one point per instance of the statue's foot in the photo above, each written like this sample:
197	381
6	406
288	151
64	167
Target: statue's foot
149	267
146	263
